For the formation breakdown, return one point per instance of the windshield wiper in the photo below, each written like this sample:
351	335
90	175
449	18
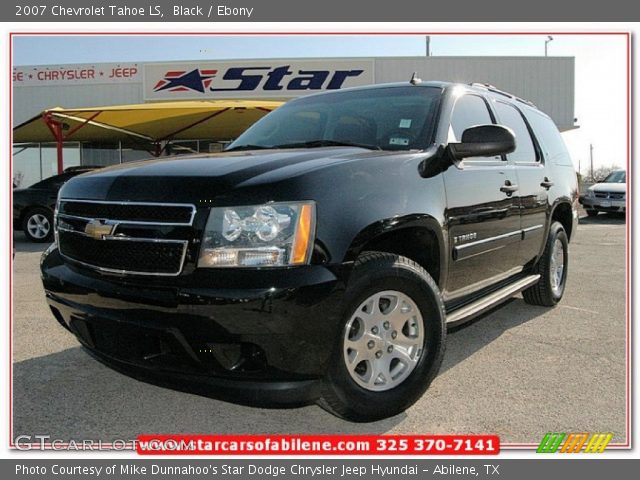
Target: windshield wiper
247	147
326	143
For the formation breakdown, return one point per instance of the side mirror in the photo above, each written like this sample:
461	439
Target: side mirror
483	141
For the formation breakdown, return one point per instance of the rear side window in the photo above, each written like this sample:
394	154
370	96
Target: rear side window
551	142
470	110
511	117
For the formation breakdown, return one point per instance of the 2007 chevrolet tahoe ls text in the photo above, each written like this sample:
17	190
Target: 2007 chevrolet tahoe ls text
324	254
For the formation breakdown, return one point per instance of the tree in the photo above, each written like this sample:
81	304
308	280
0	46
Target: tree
600	173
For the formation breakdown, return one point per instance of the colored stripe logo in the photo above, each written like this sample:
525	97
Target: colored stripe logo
574	442
598	442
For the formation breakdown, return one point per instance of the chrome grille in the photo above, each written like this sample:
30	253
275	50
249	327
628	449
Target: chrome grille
610	195
125	237
129	212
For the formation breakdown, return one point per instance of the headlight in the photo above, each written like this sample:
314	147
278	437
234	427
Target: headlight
271	235
590	193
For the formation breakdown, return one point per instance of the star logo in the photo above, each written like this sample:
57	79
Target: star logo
181	81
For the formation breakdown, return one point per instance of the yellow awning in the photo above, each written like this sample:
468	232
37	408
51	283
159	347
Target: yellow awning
189	120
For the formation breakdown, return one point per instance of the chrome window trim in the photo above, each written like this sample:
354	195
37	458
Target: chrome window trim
130	222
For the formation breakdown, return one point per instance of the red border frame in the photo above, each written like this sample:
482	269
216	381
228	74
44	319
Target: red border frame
628	226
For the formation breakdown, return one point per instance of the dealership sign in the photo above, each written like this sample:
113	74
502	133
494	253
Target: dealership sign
80	74
246	79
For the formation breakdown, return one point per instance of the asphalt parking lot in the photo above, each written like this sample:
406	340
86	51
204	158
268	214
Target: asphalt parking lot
519	371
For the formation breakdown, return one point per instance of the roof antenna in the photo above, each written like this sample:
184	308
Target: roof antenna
415	80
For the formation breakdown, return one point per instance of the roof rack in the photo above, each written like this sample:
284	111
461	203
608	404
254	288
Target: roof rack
493	89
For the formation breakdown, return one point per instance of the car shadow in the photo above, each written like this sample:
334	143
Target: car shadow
70	395
465	340
604	219
21	244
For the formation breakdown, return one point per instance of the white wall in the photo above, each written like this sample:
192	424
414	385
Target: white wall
546	81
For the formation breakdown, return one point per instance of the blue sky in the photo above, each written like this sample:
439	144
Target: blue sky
61	49
600	65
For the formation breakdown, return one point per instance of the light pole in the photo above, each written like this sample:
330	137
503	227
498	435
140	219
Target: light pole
546	42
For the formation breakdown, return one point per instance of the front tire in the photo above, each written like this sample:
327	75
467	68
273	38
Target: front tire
392	342
552	268
592	213
37	225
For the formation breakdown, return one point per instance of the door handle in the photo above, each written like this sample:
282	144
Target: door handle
509	188
546	183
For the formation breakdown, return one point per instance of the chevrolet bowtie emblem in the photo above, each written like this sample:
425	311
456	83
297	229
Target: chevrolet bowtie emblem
97	230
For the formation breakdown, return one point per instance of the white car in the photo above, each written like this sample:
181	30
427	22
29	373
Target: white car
610	195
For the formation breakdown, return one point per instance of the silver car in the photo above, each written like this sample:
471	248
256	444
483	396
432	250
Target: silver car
610	195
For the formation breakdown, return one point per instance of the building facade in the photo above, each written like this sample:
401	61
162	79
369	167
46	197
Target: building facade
548	82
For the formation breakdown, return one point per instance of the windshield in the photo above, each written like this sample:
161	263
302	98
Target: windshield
616	177
392	118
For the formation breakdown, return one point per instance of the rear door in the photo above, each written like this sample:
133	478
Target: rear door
482	212
534	180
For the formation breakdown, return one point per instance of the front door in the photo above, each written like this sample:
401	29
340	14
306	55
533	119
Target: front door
482	215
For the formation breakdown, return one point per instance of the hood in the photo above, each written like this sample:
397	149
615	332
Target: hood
609	187
200	177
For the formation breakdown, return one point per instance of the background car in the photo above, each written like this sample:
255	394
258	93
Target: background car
609	195
33	206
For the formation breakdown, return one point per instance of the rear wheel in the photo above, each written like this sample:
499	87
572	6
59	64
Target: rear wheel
552	268
392	342
37	225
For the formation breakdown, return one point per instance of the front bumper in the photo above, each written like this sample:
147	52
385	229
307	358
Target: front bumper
603	205
264	335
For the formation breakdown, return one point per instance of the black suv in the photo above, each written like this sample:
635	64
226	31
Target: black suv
324	254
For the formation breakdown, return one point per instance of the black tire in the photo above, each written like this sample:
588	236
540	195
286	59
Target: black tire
592	213
42	212
542	293
376	272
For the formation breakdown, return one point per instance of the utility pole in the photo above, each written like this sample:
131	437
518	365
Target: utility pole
591	158
546	43
428	38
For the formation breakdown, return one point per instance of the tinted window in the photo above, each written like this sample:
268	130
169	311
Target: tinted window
470	110
388	118
553	147
510	116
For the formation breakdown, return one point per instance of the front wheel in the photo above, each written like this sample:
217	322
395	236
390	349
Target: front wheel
592	213
392	341
37	225
552	268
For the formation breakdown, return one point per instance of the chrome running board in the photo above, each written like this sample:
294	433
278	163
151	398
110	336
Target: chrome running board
472	310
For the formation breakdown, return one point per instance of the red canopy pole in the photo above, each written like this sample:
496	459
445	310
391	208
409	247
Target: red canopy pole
59	148
56	129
